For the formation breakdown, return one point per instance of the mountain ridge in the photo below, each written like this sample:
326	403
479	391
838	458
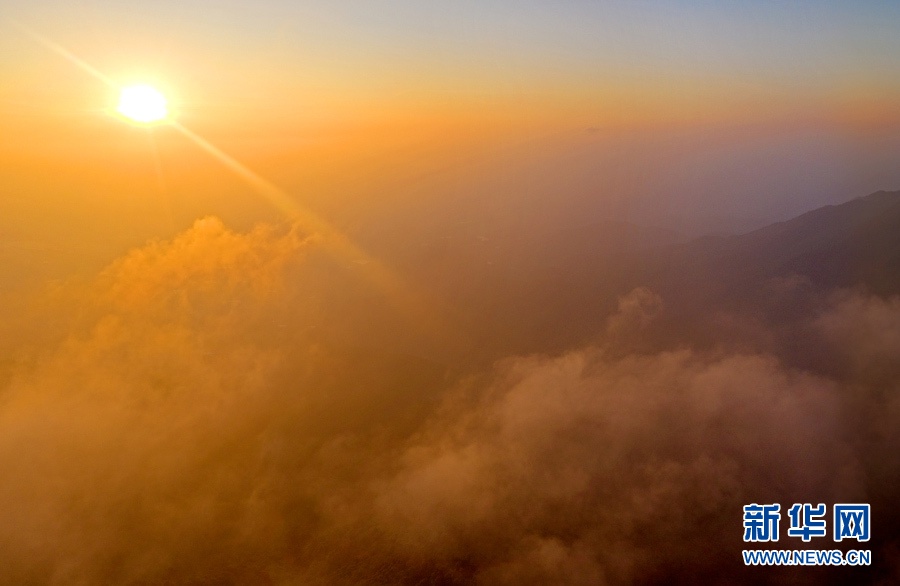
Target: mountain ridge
845	245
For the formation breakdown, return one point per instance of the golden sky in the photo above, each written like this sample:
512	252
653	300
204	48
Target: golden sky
354	109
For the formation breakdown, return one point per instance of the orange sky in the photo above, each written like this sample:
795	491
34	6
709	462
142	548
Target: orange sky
352	116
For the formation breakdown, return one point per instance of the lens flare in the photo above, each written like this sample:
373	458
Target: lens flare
145	104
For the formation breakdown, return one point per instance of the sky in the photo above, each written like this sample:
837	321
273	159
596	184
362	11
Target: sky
658	113
442	292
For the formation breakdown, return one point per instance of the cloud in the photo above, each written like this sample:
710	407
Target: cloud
636	311
622	467
864	330
187	421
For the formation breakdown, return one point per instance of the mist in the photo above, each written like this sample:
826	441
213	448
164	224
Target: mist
231	407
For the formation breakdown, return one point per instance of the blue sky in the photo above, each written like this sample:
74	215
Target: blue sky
782	41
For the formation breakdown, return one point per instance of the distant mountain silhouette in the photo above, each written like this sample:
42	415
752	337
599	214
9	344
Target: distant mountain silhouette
853	244
545	288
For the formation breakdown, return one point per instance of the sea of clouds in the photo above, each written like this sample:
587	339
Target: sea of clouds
217	409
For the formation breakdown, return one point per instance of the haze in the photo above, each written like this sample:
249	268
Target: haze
598	341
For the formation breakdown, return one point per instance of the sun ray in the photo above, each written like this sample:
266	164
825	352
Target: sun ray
65	53
398	292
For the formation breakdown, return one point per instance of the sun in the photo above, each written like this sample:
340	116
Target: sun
142	103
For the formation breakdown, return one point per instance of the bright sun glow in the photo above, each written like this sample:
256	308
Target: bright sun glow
142	103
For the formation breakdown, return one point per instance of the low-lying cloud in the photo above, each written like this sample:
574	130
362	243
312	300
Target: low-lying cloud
183	419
